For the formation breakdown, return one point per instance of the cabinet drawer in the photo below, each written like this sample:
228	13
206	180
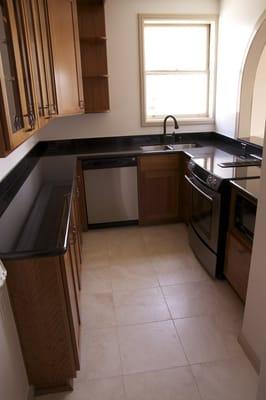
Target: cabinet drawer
159	162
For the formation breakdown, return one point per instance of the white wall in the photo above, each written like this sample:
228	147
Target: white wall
254	325
258	114
237	22
13	379
262	379
7	163
122	47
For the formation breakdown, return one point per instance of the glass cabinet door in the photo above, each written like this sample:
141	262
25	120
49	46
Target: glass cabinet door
36	54
30	116
40	7
11	96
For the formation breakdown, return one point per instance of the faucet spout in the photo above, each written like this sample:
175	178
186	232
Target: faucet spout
165	122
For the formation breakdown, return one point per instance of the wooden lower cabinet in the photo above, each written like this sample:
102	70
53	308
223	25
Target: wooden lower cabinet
81	199
186	196
44	294
237	264
159	188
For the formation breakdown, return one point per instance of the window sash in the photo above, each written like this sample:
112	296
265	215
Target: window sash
187	115
159	21
176	25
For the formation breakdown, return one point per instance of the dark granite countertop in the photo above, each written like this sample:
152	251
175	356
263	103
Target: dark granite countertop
35	196
251	187
36	221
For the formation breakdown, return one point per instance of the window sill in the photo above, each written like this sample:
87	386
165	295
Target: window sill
181	122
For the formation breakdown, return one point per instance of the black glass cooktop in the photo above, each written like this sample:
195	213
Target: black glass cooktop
211	160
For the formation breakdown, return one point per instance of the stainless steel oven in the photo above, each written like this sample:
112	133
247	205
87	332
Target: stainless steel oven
205	212
209	197
204	223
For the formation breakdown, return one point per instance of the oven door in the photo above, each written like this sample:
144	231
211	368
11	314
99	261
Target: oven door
205	212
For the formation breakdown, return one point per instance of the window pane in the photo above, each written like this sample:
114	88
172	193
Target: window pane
178	94
176	47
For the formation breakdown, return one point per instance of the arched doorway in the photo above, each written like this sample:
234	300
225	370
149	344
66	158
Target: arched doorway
255	52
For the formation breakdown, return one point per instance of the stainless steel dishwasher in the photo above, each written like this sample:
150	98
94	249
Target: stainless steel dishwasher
111	190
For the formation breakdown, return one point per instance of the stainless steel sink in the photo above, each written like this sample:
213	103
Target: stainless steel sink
156	148
184	146
168	147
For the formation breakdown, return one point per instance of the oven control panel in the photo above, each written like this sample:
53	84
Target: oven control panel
204	176
213	182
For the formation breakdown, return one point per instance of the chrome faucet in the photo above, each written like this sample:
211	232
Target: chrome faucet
164	126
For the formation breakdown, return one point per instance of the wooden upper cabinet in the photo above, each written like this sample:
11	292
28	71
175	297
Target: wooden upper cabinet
159	188
63	26
41	58
92	36
17	97
40	66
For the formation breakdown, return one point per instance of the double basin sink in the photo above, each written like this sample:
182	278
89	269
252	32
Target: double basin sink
169	147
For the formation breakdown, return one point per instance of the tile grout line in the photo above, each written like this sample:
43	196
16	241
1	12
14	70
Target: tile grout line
117	327
121	362
196	383
173	322
189	365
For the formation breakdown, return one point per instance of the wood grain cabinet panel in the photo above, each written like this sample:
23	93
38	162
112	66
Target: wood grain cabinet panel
92	34
69	271
18	112
66	56
45	297
186	196
237	265
81	200
40	294
159	188
40	67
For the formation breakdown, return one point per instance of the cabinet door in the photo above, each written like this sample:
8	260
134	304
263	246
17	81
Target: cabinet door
76	244
71	301
18	114
66	56
158	183
237	265
186	192
19	18
42	30
82	198
38	72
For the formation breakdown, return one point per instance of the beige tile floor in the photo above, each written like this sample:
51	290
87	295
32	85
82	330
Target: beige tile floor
155	325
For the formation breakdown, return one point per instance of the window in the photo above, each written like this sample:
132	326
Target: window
177	56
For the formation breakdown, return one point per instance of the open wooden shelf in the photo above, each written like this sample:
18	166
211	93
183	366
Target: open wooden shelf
95	76
96	95
93	39
91	19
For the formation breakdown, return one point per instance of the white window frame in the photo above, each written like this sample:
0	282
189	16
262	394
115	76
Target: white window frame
211	21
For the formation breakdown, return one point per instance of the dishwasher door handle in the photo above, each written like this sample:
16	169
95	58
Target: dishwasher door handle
114	162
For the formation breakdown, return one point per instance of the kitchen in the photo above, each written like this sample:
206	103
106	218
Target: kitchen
105	135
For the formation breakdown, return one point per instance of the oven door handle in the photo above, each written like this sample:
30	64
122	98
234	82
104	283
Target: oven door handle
198	189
